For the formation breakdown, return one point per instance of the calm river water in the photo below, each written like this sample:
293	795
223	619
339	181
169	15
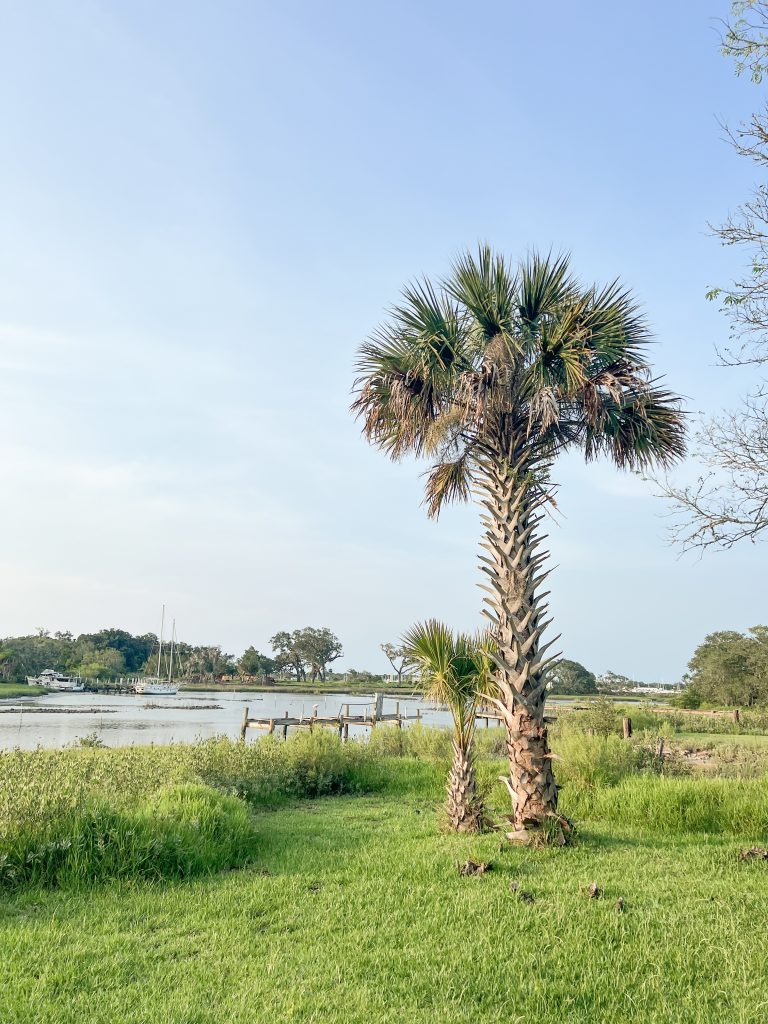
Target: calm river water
59	719
120	720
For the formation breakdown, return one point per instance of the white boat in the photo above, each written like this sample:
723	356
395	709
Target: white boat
156	686
53	680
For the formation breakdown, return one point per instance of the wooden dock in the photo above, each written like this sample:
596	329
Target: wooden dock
372	715
109	686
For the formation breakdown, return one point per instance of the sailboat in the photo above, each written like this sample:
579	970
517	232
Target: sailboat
156	686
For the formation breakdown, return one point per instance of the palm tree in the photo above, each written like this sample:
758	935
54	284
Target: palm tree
454	671
493	372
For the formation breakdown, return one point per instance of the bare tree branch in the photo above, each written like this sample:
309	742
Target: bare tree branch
729	501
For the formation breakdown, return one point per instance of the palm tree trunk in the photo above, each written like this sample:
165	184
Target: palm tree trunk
465	808
517	610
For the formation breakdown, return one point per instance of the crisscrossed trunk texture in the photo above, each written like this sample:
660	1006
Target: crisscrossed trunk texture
464	807
517	611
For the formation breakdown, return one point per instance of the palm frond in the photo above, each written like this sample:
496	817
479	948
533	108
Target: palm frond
484	286
447	482
454	669
646	427
505	362
545	284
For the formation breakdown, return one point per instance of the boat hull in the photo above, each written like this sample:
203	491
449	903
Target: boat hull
49	680
156	689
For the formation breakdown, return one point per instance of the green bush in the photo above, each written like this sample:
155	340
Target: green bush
271	771
179	831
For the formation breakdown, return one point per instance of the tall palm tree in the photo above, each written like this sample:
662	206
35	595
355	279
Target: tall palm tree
454	671
492	373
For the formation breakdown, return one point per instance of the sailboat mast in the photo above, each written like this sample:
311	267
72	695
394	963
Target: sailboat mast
160	648
173	640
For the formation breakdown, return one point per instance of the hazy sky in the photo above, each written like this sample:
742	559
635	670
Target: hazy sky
205	207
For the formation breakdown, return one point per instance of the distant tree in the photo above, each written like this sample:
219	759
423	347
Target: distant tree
354	675
397	658
569	677
309	648
730	668
207	664
290	656
99	663
253	663
319	648
28	655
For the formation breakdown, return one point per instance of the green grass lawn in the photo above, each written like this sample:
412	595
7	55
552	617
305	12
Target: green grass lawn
353	911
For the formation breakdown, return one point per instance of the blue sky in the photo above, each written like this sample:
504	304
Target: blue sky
206	207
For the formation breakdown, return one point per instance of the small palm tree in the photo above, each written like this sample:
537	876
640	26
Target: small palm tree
492	373
455	670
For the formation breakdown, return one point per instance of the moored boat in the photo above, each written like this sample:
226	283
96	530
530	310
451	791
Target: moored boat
53	680
156	686
153	686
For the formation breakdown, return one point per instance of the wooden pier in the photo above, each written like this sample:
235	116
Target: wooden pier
109	686
372	715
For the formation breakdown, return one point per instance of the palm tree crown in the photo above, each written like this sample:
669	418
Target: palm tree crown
454	670
499	363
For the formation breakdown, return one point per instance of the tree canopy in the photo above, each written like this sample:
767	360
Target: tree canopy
306	650
729	668
111	653
570	677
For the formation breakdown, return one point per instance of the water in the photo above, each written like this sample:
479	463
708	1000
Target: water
125	719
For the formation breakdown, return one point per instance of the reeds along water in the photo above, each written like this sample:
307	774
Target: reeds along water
77	816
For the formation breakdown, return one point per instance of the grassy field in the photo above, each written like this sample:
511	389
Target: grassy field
310	881
198	884
353	910
21	690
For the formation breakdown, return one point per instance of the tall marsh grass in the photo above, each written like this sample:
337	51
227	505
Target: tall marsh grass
82	814
752	722
672	806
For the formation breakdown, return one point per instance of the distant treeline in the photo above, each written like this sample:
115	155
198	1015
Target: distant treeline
112	653
728	668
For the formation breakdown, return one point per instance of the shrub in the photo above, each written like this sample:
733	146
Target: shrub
180	831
